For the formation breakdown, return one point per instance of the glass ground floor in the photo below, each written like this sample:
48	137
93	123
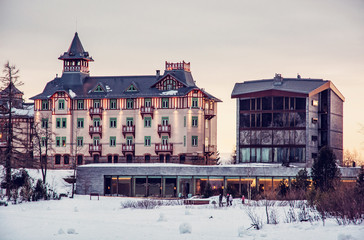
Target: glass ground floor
186	186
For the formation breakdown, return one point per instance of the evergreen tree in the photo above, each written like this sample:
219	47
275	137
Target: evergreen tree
359	188
325	173
283	188
302	180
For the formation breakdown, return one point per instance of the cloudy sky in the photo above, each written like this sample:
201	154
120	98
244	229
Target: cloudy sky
225	41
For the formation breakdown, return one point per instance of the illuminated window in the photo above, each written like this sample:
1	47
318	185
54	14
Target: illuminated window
315	103
63	141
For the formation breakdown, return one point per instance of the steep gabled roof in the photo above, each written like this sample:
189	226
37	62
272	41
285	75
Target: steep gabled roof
76	51
14	90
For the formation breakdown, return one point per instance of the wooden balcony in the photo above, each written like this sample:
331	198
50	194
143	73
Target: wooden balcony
96	112
95	149
209	113
95	130
128	148
168	148
146	110
128	129
164	129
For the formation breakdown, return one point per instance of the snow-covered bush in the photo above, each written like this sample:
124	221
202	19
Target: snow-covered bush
149	203
185	228
256	220
162	218
71	231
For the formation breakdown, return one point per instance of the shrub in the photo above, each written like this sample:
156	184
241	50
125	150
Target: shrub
256	220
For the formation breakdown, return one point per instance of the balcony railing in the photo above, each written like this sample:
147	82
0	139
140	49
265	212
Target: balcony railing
128	148
159	147
164	129
96	111
95	148
209	113
95	130
146	110
128	129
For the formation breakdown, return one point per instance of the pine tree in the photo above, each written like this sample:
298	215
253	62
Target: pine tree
325	173
302	180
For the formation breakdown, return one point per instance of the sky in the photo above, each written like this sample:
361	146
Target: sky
225	41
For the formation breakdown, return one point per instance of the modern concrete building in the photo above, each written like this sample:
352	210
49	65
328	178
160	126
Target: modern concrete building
130	119
287	120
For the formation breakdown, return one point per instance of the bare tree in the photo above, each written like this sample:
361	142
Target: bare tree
10	81
350	158
76	147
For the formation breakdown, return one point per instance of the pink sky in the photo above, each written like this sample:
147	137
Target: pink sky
225	41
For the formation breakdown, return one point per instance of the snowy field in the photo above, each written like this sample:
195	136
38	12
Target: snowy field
80	218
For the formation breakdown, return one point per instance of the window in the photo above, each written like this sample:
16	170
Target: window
64	122
195	102
63	141
147	141
129	103
165	102
44	122
98	89
109	159
79	160
58	141
315	103
267	103
184	141
314	120
112	141
147	122
244	104
132	88
165	121
45	105
97	103
244	120
129	141
194	141
80	104
184	121
44	142
164	140
112	103
58	123
96	122
278	103
314	138
116	158
66	159
300	103
57	159
147	158
112	122
129	122
194	121
147	102
79	122
79	141
61	104
96	141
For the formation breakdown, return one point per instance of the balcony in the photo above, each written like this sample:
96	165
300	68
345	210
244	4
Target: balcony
3	144
210	149
95	149
96	111
164	148
209	113
95	130
146	110
128	129
128	148
164	129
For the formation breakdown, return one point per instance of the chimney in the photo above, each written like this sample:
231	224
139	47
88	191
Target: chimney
278	80
157	73
298	76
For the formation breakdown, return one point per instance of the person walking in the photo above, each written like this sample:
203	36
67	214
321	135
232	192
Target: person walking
231	199
220	200
227	200
243	199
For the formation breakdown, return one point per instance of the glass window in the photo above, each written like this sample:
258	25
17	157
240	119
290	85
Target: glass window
58	141
267	103
43	142
45	105
97	103
99	89
129	103
112	141
112	103
64	122
57	159
244	104
195	102
58	122
164	140
184	121
286	103
165	102
96	141
66	159
301	119
79	160
245	120
147	141
165	121
278	119
112	122
252	120
129	122
266	119
63	141
129	141
258	103
109	159
252	104
184	141
266	155
80	123
60	104
80	104
194	121
44	122
147	102
132	88
281	155
147	158
96	122
277	103
245	154
79	141
194	141
147	122
300	103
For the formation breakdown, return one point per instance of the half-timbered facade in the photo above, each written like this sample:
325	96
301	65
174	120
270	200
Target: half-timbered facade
134	119
288	120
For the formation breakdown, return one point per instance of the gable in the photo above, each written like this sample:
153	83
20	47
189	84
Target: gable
99	88
168	82
132	88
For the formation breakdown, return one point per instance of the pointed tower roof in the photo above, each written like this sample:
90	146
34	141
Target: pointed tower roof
76	51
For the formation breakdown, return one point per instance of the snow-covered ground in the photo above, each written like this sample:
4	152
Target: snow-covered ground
82	218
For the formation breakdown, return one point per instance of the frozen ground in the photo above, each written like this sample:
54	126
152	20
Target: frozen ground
80	218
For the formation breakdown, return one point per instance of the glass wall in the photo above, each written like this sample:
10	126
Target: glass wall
154	186
170	186
232	186
140	186
217	185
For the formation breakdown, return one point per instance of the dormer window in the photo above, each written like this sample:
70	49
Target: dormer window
98	89
132	88
169	84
